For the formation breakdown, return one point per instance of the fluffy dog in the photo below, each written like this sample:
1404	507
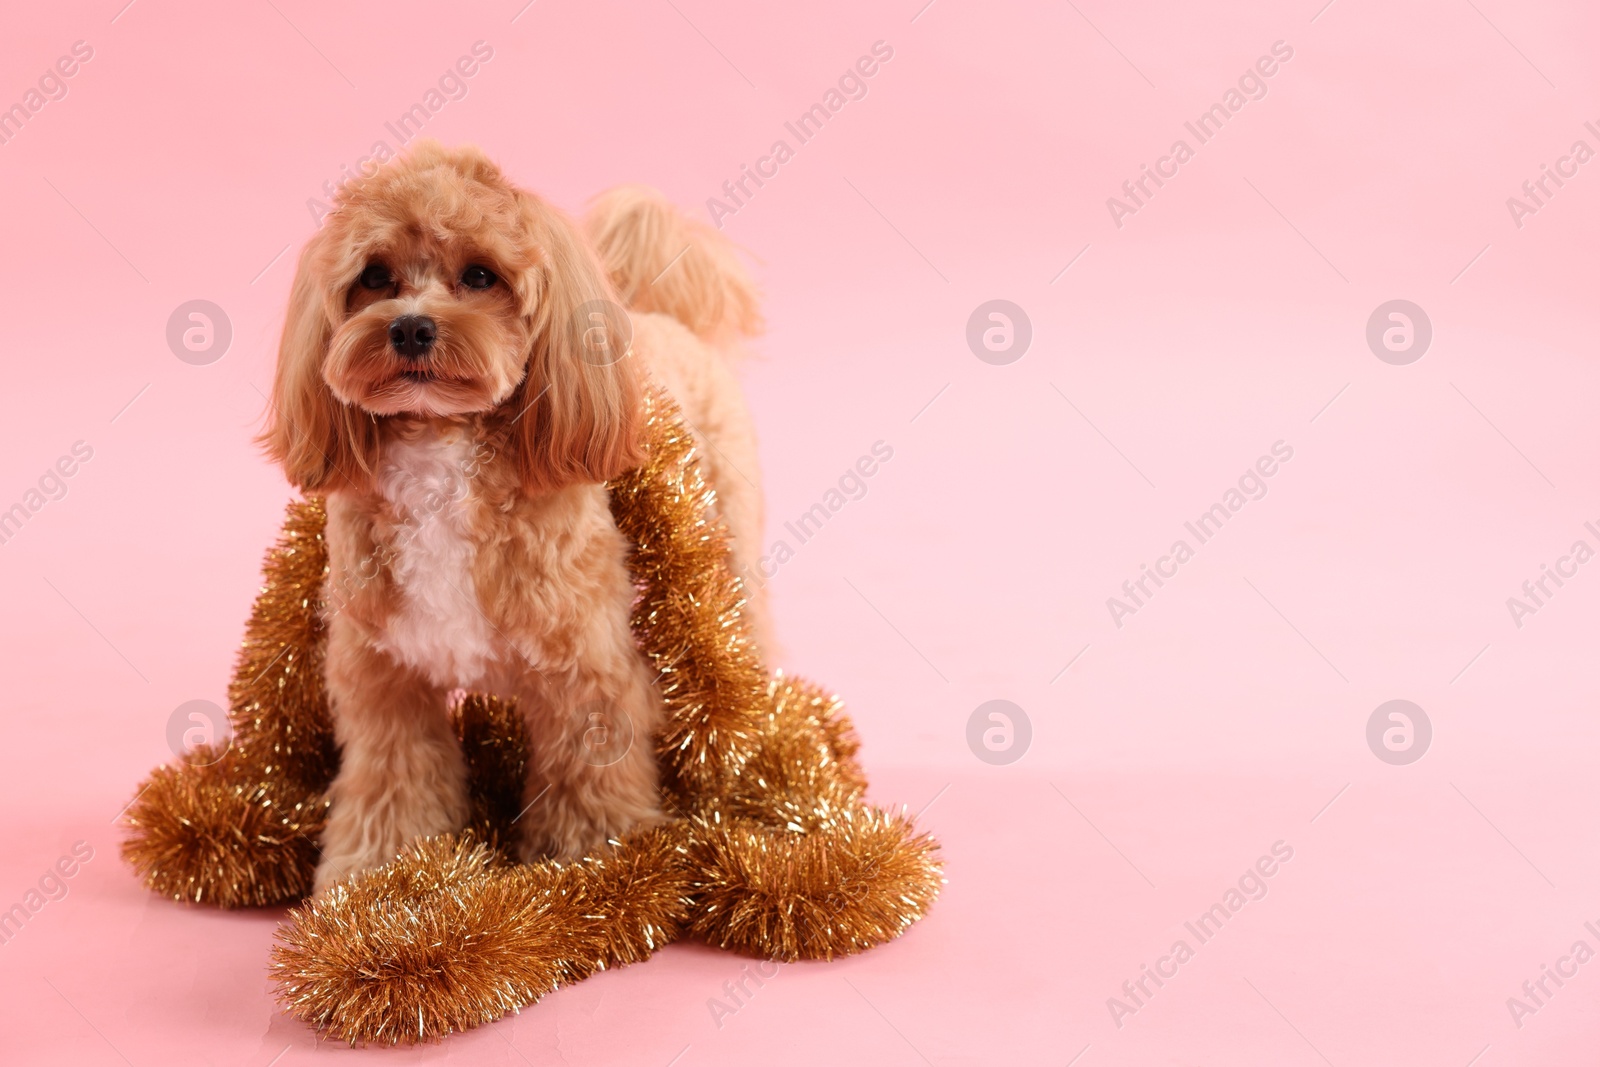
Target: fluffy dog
456	379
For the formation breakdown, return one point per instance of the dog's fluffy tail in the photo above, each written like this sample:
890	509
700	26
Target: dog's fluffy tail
661	260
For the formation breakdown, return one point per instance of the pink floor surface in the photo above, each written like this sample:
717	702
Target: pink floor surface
1175	340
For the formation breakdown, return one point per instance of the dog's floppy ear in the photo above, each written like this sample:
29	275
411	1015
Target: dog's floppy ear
577	412
319	441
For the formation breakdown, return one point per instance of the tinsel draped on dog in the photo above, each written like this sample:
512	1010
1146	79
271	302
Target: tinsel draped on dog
765	844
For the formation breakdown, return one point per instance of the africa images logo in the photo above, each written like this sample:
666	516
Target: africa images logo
1251	886
450	85
1252	485
1252	85
851	85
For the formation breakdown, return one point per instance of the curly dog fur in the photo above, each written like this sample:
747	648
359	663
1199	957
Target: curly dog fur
455	377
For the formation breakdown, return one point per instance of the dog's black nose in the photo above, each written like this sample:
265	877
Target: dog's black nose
412	335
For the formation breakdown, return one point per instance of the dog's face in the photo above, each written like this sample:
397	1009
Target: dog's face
436	289
433	321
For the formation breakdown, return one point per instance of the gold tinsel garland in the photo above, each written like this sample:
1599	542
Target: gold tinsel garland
770	849
687	618
217	831
278	707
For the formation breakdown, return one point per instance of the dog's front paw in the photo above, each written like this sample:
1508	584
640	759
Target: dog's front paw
570	836
573	844
337	867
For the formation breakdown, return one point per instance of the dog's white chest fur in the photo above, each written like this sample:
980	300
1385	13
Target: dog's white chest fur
438	628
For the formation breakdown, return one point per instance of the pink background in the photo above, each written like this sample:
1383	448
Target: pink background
1228	314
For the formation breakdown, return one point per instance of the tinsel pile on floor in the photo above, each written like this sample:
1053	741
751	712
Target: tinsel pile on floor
771	850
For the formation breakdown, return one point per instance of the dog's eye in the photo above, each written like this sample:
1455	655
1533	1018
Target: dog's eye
476	277
376	276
